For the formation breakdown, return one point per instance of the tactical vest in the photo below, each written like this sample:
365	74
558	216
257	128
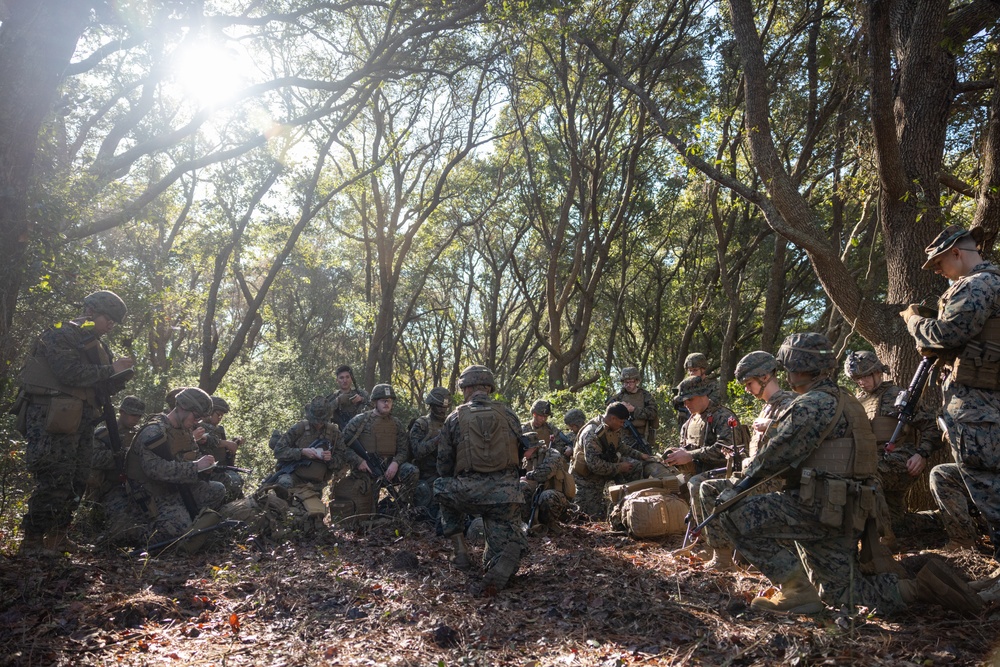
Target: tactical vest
487	442
696	432
544	432
883	426
560	480
38	380
854	456
379	436
608	441
173	444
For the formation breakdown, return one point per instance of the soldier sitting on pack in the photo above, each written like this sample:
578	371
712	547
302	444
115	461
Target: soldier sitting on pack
106	468
308	454
548	487
642	411
898	470
824	448
162	467
601	457
539	424
424	436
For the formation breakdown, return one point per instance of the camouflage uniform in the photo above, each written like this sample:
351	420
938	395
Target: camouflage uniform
645	417
971	416
546	468
759	525
157	485
107	468
596	457
212	444
67	365
495	496
343	408
423	440
291	464
387	438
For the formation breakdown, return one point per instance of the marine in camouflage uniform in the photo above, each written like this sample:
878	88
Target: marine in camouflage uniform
348	401
823	446
546	470
63	386
899	469
214	441
544	430
641	408
757	372
601	457
478	475
162	468
574	420
307	457
423	440
961	335
105	466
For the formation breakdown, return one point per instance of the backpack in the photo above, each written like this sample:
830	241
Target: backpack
651	513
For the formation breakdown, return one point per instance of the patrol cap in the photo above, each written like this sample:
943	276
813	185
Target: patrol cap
948	237
863	363
806	353
382	391
219	404
132	405
630	373
438	396
754	365
696	360
106	302
474	375
617	409
542	407
575	416
694	386
317	411
194	400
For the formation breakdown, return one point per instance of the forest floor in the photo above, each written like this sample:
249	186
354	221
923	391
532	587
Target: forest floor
388	596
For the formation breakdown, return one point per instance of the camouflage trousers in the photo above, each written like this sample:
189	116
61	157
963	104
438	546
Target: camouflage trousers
895	482
167	514
60	466
976	448
458	498
590	496
408	477
952	498
707	498
552	504
230	479
762	526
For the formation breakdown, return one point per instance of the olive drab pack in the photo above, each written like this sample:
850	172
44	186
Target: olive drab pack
488	442
665	485
650	513
352	496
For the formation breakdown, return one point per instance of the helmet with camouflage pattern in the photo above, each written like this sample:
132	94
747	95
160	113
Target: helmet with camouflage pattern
630	373
317	411
439	397
575	416
696	360
755	365
694	386
542	407
863	363
382	391
475	375
194	400
806	353
171	397
106	302
219	404
132	405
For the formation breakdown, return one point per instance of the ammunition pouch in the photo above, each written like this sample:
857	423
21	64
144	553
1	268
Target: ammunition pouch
64	415
20	411
978	365
313	471
837	502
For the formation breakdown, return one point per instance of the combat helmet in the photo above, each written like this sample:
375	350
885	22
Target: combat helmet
696	360
132	405
194	399
106	302
219	404
438	397
694	386
474	375
541	407
806	353
755	365
630	373
575	416
382	391
317	411
863	363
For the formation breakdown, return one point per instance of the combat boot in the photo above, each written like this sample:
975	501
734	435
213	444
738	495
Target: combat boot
460	558
503	568
797	596
33	545
57	541
722	561
937	583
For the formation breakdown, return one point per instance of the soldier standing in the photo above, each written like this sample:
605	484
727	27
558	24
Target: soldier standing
965	334
641	409
478	475
823	446
64	385
348	401
424	438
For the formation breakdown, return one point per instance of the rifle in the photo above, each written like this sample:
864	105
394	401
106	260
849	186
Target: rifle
641	443
743	493
908	399
535	499
376	470
165	544
288	468
245	471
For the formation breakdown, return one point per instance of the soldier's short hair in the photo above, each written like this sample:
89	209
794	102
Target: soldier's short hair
617	409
